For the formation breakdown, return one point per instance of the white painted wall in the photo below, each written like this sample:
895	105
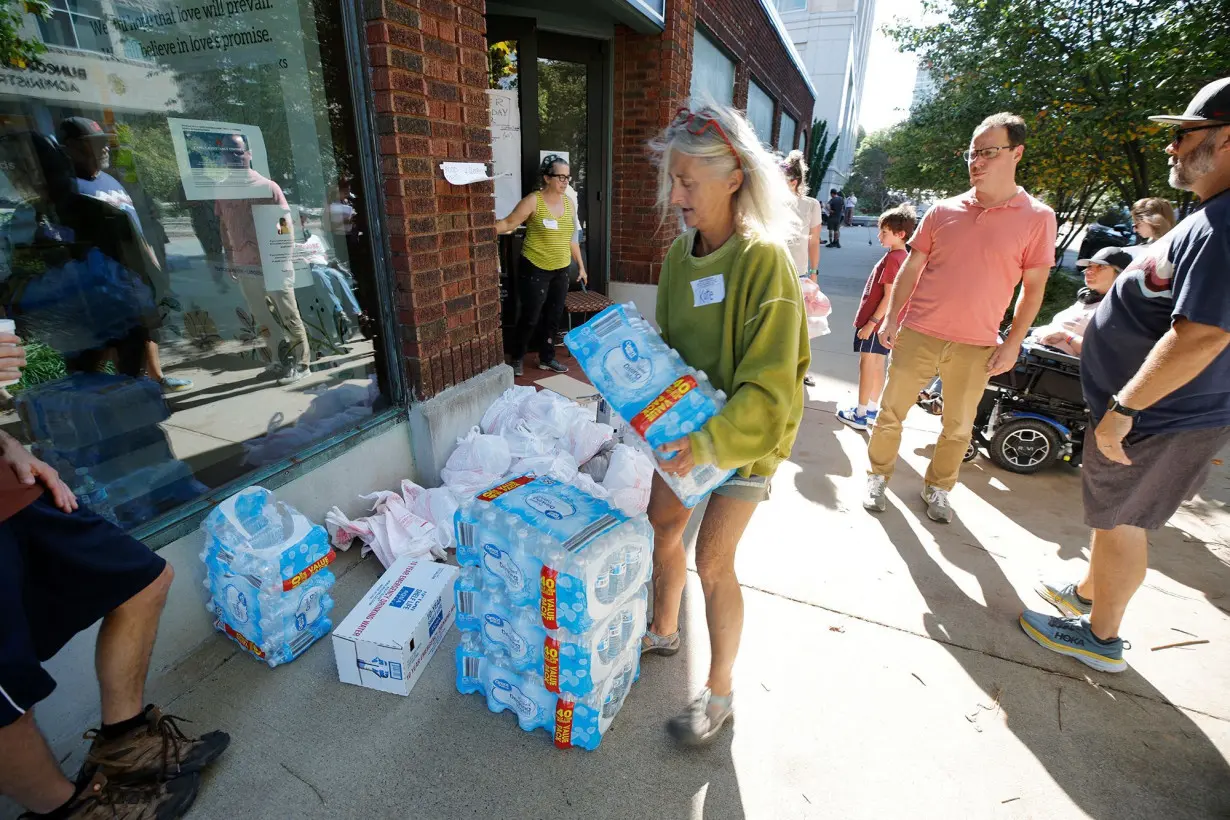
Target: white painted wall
645	297
380	462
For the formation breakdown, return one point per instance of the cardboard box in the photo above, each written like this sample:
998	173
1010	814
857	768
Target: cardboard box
582	393
387	640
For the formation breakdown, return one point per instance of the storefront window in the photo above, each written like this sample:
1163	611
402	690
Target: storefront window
713	73
785	134
760	112
181	245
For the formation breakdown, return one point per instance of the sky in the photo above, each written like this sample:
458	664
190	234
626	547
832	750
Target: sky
889	85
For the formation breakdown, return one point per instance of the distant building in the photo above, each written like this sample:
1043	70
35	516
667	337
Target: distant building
924	87
833	37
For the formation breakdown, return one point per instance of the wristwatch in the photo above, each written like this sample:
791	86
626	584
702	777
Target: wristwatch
1116	407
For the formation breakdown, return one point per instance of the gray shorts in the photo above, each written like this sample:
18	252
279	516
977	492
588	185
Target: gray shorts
1166	470
754	488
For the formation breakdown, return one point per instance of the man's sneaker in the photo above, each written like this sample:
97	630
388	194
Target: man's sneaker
1073	636
294	373
170	384
654	644
702	720
156	750
874	500
553	366
518	367
809	380
852	418
1064	598
937	503
102	799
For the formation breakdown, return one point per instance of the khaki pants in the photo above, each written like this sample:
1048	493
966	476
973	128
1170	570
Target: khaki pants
254	292
915	360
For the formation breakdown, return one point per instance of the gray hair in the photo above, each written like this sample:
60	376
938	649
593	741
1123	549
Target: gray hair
764	204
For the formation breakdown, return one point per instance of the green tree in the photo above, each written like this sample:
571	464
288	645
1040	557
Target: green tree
869	173
14	49
822	153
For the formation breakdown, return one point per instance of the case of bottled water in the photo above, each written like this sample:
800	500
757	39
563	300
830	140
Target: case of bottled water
647	383
550	547
570	720
564	662
266	572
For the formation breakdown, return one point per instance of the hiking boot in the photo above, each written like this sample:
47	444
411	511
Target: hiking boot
1074	637
874	499
702	720
553	365
1064	598
157	750
654	644
937	504
102	799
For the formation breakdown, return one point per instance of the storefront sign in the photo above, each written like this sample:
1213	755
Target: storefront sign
195	35
95	80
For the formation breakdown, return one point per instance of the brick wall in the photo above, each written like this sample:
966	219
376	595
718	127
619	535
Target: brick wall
653	76
429	77
743	28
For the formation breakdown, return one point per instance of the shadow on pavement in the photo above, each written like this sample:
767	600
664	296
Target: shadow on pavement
1115	755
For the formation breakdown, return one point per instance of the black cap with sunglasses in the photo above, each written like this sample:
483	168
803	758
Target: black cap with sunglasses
1210	108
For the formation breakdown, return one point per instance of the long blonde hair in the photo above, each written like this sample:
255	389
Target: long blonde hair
1155	212
764	204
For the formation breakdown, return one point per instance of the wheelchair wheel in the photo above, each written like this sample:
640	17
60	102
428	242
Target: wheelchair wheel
971	453
1025	446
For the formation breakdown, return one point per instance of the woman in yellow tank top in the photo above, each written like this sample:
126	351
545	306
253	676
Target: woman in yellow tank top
550	244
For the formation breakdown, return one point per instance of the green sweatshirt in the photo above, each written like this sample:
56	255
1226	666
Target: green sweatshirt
737	314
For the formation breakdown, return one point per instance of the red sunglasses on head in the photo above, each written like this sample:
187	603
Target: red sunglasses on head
697	124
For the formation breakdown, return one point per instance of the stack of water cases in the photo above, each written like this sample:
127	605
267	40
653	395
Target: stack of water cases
551	602
102	433
267	575
648	383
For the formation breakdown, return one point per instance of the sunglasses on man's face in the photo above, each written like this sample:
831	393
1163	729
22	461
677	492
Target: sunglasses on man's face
1178	132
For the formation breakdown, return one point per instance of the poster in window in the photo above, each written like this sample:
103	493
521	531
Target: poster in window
217	159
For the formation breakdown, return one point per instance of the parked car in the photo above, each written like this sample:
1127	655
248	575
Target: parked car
1112	230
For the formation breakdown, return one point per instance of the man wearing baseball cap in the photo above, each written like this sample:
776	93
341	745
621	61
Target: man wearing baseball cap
1155	368
1066	331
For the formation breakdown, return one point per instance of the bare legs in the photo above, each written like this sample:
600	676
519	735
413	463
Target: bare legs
1118	560
871	376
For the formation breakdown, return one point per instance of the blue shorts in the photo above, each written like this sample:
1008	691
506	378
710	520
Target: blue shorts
871	345
59	573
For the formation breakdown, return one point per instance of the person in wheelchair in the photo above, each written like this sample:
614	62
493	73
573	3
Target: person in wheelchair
1065	331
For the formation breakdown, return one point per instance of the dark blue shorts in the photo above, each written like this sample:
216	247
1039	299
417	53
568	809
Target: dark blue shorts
871	345
59	573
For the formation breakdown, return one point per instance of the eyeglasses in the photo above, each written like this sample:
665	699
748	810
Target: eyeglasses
697	124
1179	132
563	177
985	153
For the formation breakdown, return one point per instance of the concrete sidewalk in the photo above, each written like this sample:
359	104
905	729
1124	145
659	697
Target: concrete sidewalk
882	675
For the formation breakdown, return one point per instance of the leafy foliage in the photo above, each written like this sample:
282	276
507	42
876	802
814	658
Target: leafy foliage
822	153
14	50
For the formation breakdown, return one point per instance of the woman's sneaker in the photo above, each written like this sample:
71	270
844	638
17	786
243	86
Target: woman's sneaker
852	418
554	366
702	720
654	644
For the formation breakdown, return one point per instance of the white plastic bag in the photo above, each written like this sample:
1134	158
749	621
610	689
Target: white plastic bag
478	462
587	485
585	438
524	442
629	479
560	466
817	307
548	414
505	409
436	505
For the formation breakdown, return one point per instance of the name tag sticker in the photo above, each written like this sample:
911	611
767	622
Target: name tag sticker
551	224
708	291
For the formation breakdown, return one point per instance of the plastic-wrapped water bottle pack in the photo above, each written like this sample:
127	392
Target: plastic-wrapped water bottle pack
267	575
647	382
551	601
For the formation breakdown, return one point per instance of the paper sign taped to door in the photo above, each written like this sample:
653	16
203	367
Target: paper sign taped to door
464	173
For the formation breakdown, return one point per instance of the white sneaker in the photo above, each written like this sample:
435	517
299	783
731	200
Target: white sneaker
294	374
937	504
874	500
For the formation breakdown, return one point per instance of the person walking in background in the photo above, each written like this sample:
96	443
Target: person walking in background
804	246
550	244
966	259
1152	217
851	204
1155	368
837	215
729	302
895	226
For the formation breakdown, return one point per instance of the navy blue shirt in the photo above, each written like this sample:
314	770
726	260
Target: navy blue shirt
1185	274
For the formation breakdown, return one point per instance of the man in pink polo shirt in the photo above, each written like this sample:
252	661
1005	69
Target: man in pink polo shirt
966	258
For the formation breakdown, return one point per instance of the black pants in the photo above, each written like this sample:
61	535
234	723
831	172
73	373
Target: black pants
541	294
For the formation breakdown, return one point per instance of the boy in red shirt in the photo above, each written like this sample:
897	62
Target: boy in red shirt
895	226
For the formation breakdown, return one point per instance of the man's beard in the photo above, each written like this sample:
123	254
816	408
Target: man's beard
1199	163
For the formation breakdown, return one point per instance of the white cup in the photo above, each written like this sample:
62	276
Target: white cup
8	326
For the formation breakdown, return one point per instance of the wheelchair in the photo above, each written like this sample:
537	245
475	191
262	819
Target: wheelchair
1033	416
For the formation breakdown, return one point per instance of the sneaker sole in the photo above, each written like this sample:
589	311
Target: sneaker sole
694	741
854	425
664	651
1099	662
876	506
551	369
1065	608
